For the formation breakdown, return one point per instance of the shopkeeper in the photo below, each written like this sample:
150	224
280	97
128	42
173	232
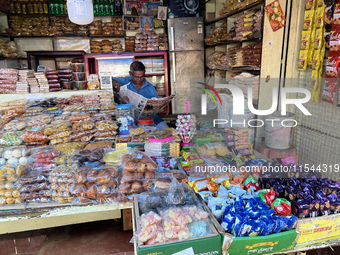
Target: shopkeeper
138	84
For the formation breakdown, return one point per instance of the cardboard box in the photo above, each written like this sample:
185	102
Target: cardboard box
210	244
127	219
318	229
280	242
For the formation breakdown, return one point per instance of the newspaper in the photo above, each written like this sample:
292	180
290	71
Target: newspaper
143	107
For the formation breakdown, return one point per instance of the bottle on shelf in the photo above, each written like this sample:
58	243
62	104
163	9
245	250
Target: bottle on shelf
144	9
101	7
61	7
17	7
107	8
112	7
51	6
24	6
45	5
40	7
12	7
95	7
35	6
65	6
56	7
118	7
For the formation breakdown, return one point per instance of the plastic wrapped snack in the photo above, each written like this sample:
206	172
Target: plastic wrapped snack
35	187
15	125
96	184
80	117
100	144
10	187
106	125
83	125
11	139
35	134
62	180
39	120
69	148
92	155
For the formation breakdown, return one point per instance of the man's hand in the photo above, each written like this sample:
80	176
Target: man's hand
116	86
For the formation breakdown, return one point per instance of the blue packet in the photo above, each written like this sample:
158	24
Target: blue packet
241	216
268	227
267	214
256	227
262	206
241	229
228	219
239	203
290	223
280	224
254	214
252	202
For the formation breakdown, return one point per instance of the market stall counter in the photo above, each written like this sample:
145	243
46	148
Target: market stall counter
38	216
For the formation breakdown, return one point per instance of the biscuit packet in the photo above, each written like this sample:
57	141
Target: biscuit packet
308	20
305	40
329	89
310	5
319	21
303	60
318	41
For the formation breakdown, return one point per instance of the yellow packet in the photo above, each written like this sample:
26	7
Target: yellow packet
305	40
316	91
320	21
309	5
303	60
308	20
320	3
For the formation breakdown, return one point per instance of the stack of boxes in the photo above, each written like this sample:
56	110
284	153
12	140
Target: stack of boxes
43	82
22	84
34	85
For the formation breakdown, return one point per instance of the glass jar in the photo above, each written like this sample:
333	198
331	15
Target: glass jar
147	124
162	147
125	117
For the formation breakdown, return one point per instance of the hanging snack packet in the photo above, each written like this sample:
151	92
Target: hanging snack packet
308	20
267	214
320	13
310	5
303	60
305	40
282	206
328	93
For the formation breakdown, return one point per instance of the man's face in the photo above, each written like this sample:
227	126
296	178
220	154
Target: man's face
137	77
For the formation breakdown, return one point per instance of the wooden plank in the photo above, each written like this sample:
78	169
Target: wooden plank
60	217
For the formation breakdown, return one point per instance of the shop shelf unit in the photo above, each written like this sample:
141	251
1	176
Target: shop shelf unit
224	45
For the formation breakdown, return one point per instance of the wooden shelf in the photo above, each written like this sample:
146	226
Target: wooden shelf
250	6
232	42
154	74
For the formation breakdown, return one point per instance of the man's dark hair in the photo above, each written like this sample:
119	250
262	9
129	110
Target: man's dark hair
137	66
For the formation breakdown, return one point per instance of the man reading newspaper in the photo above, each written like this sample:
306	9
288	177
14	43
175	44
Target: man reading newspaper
137	83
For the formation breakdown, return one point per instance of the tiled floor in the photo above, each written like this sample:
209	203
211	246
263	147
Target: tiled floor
103	237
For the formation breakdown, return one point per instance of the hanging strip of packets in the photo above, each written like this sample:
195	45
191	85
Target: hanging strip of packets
312	49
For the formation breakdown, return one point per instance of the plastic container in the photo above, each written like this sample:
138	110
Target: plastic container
165	147
125	117
79	76
66	84
278	136
80	85
78	67
147	124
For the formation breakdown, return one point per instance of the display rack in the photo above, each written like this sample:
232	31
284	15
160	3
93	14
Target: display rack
50	54
210	48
